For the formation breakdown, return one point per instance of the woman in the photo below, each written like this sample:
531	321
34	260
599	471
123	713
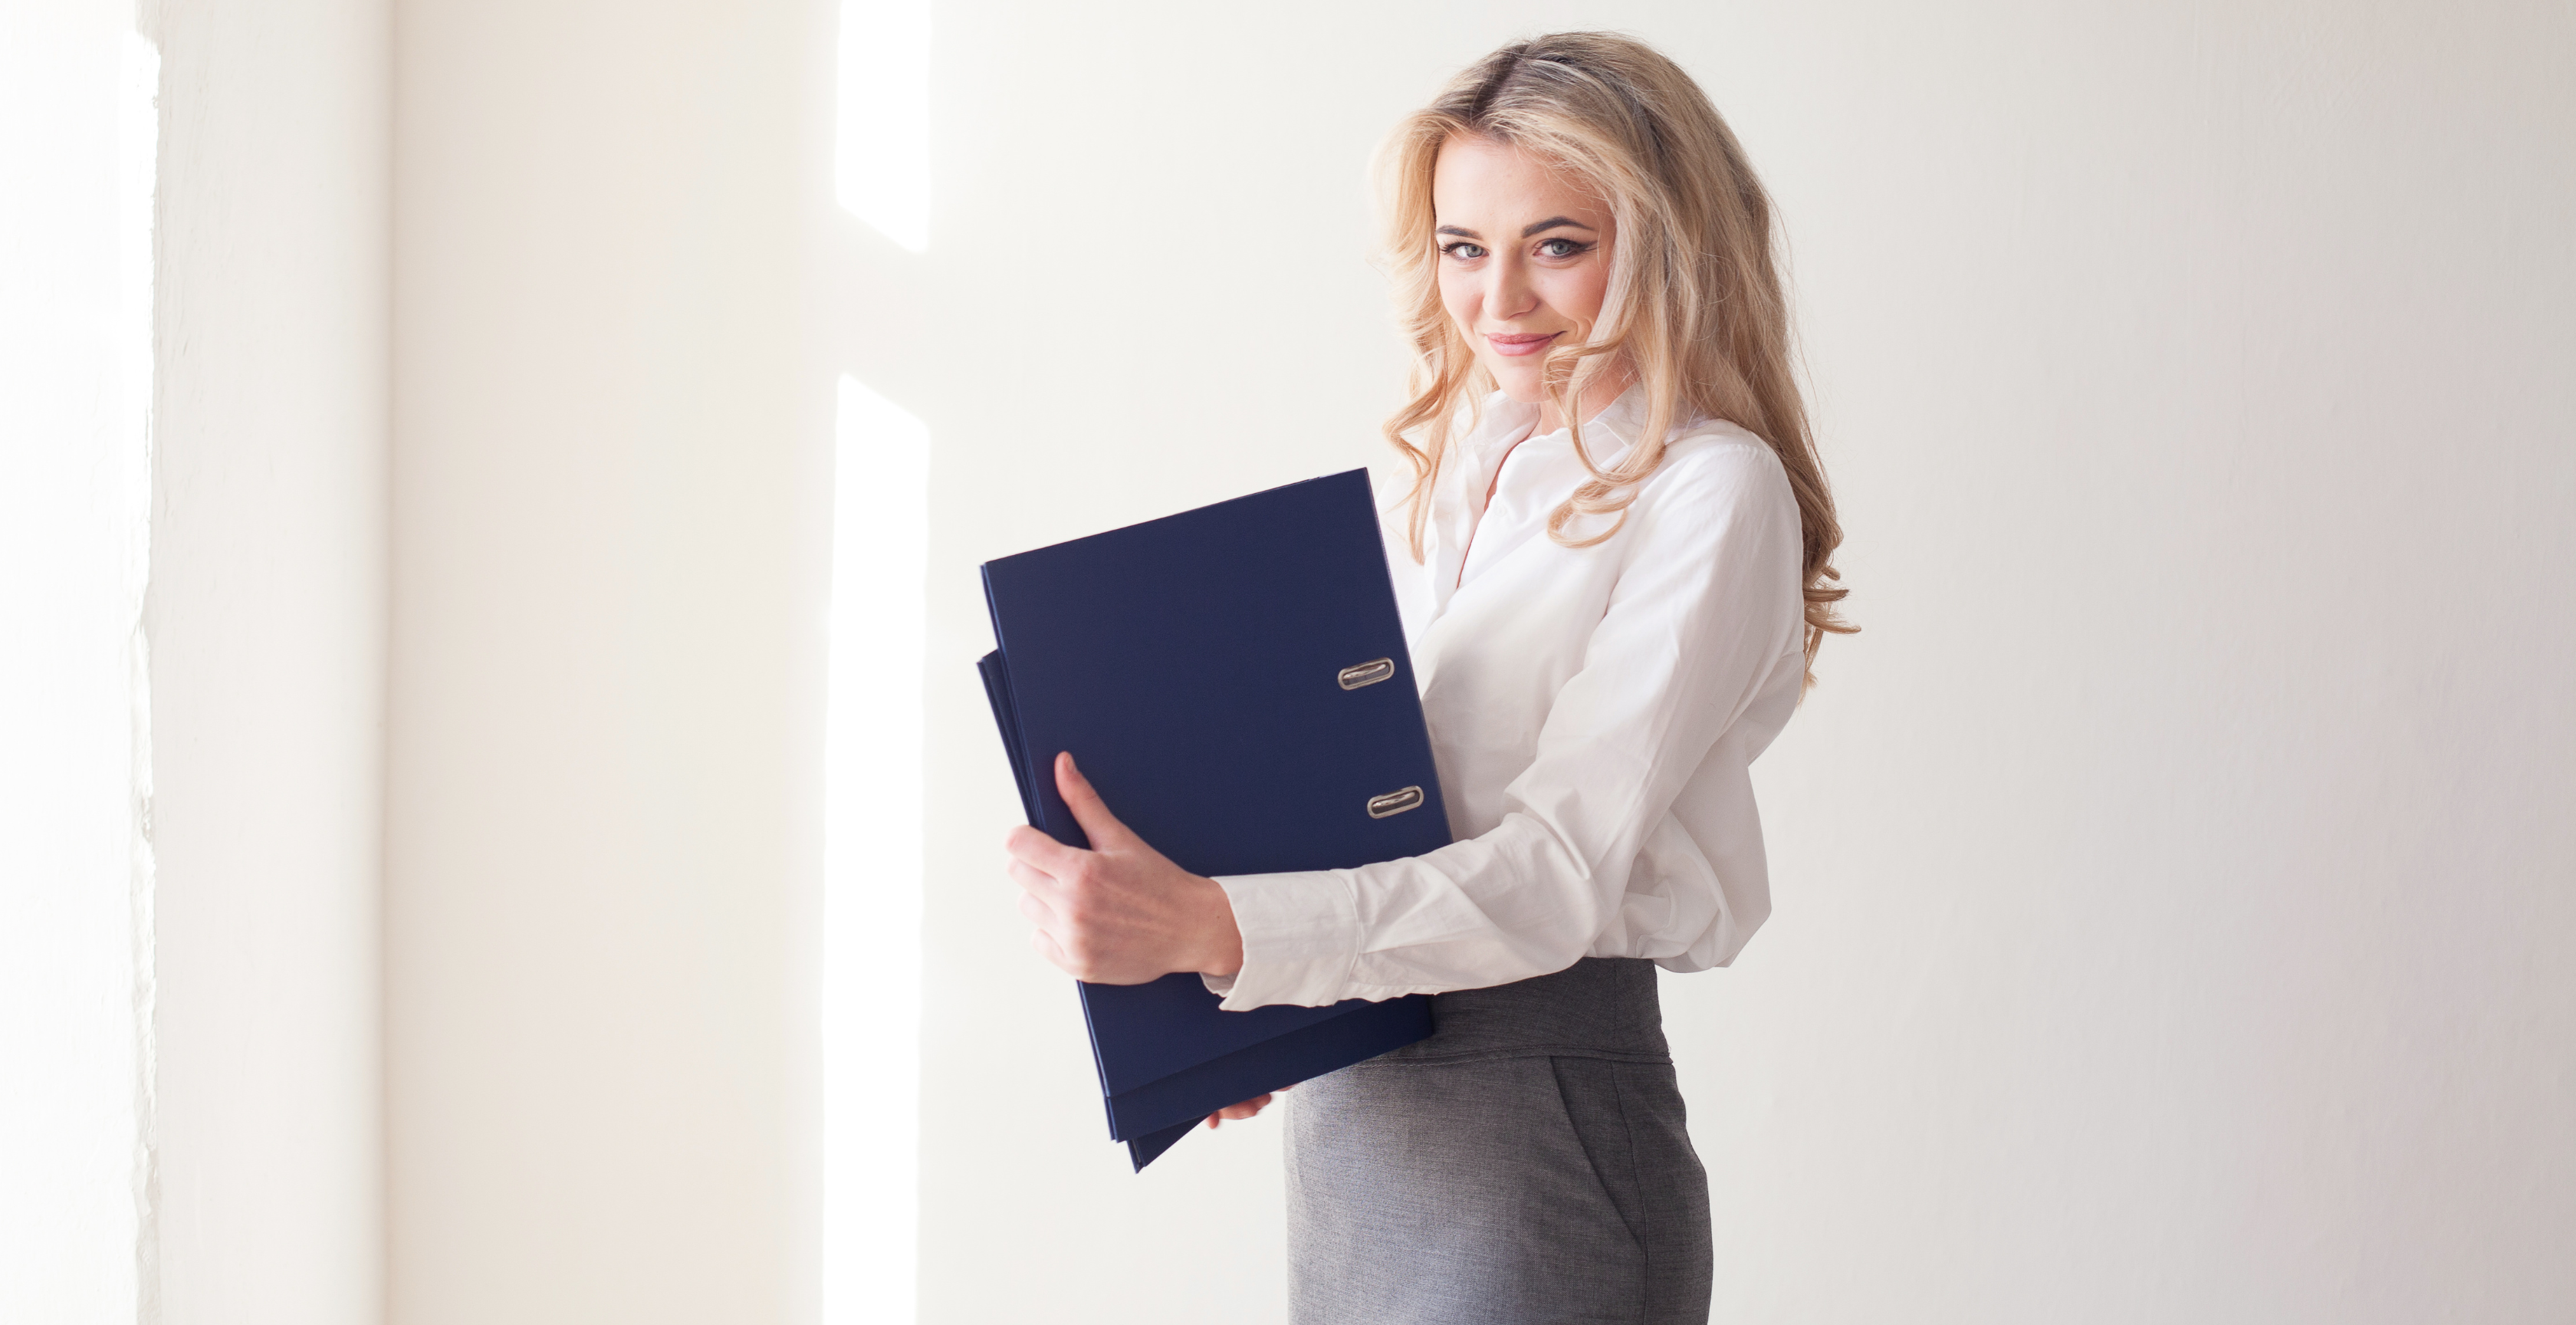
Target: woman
1625	548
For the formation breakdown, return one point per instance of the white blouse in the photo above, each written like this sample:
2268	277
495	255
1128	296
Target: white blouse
1594	713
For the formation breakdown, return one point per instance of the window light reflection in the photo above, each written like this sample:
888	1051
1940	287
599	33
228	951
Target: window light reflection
872	863
882	153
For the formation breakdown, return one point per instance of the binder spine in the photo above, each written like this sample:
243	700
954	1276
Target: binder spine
1006	716
997	692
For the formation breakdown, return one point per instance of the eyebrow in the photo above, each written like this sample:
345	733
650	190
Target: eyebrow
1526	231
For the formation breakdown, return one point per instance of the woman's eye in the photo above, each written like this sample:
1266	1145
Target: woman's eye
1462	250
1559	248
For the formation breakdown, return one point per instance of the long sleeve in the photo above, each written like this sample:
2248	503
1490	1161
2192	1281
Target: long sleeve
1669	635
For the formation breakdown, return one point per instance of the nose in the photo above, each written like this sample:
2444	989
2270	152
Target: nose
1509	296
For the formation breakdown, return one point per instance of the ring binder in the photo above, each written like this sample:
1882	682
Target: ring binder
1394	802
1368	673
1179	660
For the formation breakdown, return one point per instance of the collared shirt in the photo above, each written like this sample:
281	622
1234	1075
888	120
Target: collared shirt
1594	713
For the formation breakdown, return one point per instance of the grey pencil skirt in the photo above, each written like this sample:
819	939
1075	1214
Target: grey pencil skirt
1528	1163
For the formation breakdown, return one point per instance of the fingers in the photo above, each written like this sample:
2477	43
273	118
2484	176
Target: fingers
1238	1112
1042	893
1034	880
1089	810
1046	947
1038	906
1036	848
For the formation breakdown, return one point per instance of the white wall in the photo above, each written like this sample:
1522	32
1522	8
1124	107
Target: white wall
608	561
2171	910
74	873
267	622
187	843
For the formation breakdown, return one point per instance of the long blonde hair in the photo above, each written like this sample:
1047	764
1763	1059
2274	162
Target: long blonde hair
1694	306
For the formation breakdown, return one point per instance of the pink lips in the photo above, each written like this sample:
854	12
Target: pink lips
1516	346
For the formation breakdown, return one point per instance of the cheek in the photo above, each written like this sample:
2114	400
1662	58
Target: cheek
1458	295
1578	293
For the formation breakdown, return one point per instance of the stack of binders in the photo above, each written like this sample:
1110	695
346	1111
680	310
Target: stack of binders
1234	681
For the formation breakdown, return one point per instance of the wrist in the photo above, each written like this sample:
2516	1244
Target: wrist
1221	949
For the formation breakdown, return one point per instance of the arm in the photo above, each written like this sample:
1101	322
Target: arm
1706	609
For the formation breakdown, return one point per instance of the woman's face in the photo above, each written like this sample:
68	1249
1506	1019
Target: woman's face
1524	258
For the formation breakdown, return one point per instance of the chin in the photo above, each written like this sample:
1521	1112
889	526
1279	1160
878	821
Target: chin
1521	388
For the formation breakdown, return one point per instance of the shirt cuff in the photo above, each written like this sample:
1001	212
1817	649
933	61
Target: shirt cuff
1301	937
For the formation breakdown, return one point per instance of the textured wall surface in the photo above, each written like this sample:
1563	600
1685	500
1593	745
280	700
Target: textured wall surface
267	622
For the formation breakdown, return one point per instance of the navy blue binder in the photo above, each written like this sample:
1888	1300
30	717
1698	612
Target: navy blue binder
1234	681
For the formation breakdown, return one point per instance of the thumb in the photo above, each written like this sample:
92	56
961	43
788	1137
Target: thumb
1089	810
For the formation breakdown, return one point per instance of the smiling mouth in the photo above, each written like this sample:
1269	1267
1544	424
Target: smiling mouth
1517	345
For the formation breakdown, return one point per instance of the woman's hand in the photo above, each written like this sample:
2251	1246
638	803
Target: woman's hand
1235	1113
1120	913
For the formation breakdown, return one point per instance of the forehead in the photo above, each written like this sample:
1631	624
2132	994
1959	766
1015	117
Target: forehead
1504	185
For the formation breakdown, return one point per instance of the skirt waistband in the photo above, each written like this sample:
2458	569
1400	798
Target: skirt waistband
1600	1007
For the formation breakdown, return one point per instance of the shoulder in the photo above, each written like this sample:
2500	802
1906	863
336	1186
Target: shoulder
1719	501
1717	466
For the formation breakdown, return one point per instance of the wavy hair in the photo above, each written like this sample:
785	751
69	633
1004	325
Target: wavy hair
1694	307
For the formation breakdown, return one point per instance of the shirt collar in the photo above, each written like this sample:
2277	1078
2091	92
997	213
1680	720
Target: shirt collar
1501	419
1606	435
1501	422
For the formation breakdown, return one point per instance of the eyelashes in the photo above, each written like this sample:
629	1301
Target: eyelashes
1558	249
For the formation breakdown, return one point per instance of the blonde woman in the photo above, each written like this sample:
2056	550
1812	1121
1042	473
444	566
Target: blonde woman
1624	539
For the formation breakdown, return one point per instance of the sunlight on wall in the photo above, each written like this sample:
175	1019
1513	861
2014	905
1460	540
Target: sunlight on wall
872	862
882	161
